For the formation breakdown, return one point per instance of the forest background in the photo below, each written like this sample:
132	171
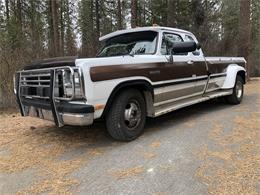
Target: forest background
35	29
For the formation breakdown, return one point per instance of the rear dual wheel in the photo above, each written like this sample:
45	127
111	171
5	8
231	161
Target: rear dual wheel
238	92
126	118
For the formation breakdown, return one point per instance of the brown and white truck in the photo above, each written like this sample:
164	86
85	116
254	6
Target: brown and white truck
138	73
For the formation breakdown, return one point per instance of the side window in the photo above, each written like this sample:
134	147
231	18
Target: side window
168	42
189	38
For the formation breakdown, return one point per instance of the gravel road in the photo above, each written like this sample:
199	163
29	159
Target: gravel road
207	148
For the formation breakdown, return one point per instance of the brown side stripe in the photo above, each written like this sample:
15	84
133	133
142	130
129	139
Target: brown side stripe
156	71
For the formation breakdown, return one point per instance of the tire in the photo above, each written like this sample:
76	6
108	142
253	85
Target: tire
126	118
238	92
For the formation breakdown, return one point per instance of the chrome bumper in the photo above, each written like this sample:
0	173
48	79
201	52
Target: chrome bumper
77	119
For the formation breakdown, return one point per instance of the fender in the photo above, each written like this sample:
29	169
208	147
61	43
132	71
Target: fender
232	71
139	84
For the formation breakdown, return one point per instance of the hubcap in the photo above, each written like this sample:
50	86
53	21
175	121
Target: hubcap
239	89
132	114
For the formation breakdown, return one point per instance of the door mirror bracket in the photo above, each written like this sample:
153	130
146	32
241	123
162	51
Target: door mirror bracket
171	57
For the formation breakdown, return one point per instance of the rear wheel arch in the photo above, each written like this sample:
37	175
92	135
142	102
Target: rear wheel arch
232	72
141	85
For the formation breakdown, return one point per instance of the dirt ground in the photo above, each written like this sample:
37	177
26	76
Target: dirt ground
209	148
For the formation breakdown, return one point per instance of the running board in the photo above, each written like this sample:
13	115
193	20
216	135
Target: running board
169	107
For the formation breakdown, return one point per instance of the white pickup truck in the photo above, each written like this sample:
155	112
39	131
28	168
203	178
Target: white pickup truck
138	73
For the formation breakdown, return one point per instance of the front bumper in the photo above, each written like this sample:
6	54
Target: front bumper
36	92
67	113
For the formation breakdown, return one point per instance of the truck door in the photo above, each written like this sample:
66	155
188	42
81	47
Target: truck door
199	65
184	71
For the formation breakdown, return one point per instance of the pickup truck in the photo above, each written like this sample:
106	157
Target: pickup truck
138	73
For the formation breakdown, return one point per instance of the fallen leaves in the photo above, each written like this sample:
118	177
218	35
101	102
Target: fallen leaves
149	155
42	146
129	172
234	167
190	124
155	144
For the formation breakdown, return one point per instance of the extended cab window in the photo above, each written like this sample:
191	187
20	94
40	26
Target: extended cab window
168	41
130	44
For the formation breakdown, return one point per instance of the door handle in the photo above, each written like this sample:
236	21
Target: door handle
190	62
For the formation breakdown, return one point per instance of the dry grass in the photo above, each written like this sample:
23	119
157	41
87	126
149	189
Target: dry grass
42	146
190	124
155	144
129	172
149	155
233	168
161	193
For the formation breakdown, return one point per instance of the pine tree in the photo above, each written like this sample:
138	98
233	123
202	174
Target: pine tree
86	27
70	43
172	13
244	31
134	13
255	39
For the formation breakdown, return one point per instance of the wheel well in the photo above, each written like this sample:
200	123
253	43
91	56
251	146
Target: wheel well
143	86
243	75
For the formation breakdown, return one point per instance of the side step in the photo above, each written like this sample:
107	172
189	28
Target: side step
169	107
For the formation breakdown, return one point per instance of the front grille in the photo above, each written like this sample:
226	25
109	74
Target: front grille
35	84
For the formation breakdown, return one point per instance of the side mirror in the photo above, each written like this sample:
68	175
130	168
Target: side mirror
183	47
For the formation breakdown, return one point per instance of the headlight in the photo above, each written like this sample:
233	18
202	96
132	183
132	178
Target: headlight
69	86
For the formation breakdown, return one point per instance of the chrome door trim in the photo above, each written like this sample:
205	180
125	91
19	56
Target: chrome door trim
179	81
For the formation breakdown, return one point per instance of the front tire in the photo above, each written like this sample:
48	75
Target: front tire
238	92
126	118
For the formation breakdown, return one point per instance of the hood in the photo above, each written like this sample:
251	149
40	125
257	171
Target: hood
89	62
52	62
119	60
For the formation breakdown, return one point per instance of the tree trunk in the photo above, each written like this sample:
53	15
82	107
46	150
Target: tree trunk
139	14
69	38
62	26
18	15
87	28
97	18
96	33
119	15
54	9
171	13
7	9
50	23
34	34
134	13
244	32
165	14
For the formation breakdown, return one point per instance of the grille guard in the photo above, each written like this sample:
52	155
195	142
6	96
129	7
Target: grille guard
20	82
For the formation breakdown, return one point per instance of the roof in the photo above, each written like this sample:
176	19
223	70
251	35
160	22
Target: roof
139	29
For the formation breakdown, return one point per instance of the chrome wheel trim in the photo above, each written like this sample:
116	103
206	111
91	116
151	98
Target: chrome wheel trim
132	114
239	89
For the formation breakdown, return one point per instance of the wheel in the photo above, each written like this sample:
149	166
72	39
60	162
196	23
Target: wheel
238	92
126	118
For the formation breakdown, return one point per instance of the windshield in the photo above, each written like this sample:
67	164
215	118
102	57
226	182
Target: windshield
130	44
